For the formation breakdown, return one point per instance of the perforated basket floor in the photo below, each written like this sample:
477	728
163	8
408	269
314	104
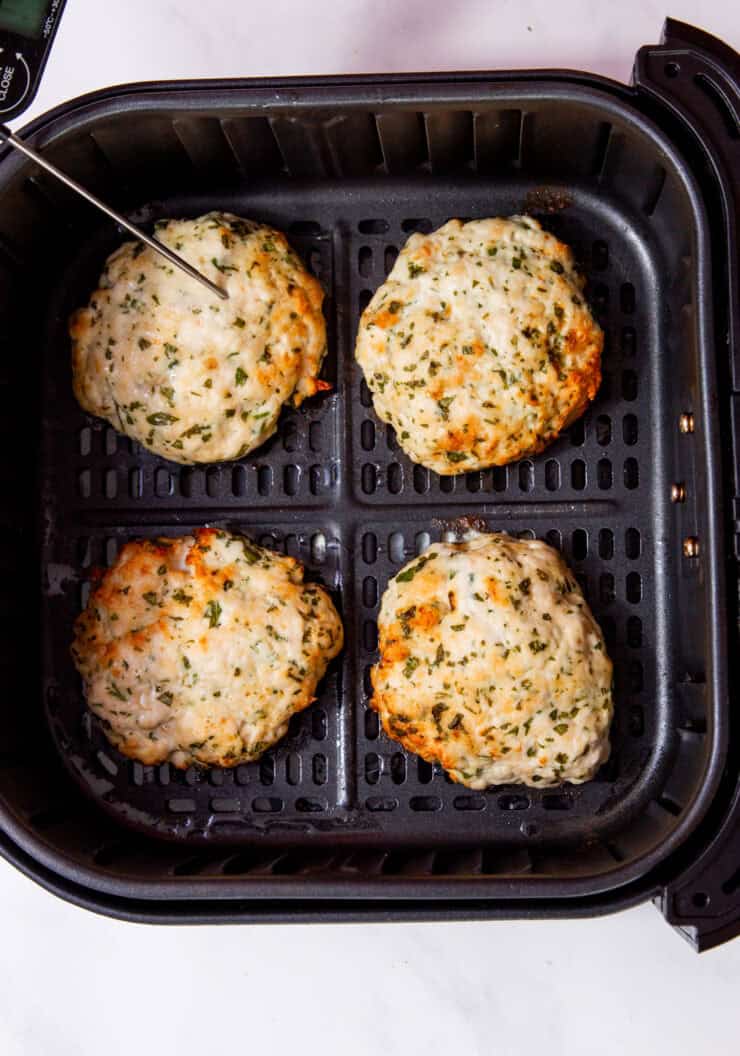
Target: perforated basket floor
334	489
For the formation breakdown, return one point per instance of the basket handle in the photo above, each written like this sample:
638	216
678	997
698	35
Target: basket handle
695	80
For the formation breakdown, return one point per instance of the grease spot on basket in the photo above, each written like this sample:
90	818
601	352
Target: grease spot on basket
546	200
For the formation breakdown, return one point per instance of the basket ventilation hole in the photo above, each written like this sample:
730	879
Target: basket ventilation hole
373	227
627	298
396	550
135	483
187	477
500	478
267	805
369	479
395	478
634	587
291	480
370	636
290	437
373	766
318	479
424	772
319	769
369	548
369	592
425	803
469	803
383	804
422	541
513	801
604	474
635	676
213	481
318	724
554	539
607	592
629	385
367	680
631	474
629	429
578	474
577	433
600	298
412	224
398	768
238	482
552	474
526	475
632	543
293	769
603	430
372	725
318	548
634	632
636	721
421	479
606	544
600	256
579	544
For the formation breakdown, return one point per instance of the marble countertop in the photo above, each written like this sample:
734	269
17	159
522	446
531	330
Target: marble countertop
73	984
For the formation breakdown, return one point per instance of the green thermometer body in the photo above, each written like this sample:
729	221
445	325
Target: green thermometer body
27	29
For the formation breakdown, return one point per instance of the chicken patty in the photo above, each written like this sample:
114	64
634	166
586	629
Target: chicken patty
199	649
479	347
492	664
191	377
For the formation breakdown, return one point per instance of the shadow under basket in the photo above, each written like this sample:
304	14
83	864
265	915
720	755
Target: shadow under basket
338	822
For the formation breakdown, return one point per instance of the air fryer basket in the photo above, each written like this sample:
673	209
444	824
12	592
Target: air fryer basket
338	822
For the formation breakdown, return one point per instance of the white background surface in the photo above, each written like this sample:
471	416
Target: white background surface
72	984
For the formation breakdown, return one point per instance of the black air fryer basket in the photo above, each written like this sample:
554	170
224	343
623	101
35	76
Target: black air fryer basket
338	823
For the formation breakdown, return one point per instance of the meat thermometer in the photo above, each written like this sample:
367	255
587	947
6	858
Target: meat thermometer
27	31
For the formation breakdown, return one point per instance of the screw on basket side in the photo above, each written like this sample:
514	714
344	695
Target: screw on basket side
686	423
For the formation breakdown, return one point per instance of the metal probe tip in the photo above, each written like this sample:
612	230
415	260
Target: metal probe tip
153	243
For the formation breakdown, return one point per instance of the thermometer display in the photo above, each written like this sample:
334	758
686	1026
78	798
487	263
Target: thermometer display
27	29
25	17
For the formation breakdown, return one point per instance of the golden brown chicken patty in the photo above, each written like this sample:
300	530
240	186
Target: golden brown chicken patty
191	377
199	649
479	347
492	664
